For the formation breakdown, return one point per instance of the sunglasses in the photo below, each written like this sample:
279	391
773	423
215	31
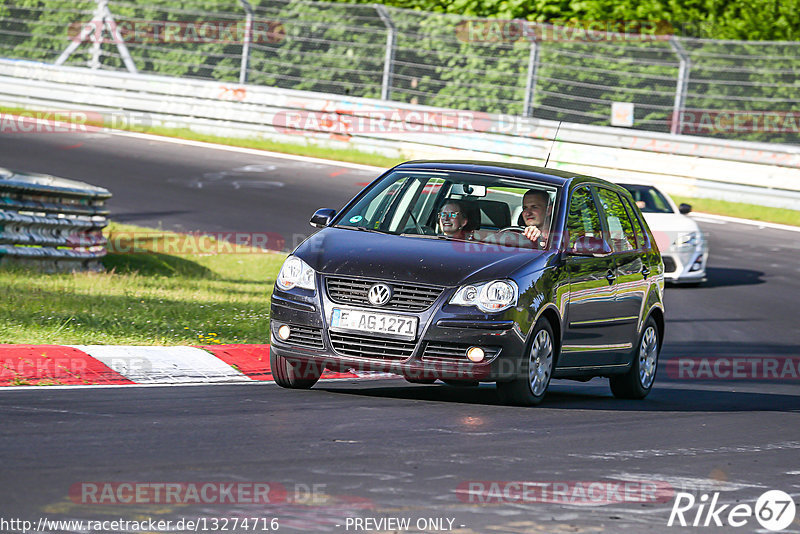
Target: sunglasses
449	214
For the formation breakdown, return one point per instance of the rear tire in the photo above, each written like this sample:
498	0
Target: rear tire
537	367
638	381
292	374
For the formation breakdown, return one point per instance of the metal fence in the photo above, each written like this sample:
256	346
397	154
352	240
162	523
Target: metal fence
646	79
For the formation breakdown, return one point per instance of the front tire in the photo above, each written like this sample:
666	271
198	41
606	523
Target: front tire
638	381
536	370
291	374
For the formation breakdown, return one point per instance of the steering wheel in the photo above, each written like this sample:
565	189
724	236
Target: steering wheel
426	230
517	229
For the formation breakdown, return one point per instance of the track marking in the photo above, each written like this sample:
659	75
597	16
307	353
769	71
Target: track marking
687	483
32	409
252	151
687	451
147	364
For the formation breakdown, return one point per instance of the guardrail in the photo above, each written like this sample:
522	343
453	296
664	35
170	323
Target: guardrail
50	223
760	173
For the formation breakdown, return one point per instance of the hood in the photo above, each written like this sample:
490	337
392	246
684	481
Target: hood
336	251
667	226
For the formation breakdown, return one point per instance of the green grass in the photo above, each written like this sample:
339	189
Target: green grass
744	211
145	298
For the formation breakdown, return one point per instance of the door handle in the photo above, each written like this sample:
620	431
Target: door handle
610	276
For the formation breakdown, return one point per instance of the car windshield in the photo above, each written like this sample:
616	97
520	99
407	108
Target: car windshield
649	199
456	205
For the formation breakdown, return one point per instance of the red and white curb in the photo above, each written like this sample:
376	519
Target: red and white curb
30	365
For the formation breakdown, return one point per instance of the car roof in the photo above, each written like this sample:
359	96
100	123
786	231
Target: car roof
515	170
637	184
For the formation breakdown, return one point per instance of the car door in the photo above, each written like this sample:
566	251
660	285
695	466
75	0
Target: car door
631	282
590	303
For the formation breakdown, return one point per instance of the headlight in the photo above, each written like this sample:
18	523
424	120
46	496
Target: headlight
296	273
489	297
690	239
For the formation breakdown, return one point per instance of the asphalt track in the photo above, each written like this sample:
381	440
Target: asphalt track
384	448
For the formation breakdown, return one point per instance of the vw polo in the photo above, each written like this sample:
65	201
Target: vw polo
471	272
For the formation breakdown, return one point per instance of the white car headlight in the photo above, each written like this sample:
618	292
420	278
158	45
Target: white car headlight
490	297
296	273
689	239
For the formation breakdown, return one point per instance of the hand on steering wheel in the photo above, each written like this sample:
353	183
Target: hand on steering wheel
531	232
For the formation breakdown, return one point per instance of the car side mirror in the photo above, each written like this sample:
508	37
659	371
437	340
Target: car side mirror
685	208
596	247
322	217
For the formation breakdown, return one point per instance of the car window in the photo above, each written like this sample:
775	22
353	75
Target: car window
620	229
375	208
425	208
583	220
641	238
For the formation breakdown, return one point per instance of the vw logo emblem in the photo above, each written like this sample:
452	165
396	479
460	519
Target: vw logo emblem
379	294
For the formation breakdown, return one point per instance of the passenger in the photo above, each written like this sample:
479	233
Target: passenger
536	210
454	220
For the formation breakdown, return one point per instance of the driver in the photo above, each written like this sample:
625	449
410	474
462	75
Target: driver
535	216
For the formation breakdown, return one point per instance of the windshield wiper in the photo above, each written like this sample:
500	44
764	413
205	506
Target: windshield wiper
426	236
362	229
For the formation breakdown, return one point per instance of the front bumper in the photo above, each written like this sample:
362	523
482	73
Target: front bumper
444	334
685	266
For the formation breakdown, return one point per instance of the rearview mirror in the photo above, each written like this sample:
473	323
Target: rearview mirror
468	190
322	217
685	208
596	247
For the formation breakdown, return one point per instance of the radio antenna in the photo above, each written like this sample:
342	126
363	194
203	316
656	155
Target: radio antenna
552	144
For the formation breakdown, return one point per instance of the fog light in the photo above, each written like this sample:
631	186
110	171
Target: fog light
476	354
697	265
284	332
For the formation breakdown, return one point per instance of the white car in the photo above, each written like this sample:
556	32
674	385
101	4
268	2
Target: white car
683	245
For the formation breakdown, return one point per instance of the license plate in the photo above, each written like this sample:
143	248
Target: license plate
374	323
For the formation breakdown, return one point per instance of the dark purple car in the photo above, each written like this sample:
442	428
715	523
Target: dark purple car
471	272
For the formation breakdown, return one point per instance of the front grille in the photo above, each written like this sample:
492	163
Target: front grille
453	352
309	337
669	264
371	347
406	297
